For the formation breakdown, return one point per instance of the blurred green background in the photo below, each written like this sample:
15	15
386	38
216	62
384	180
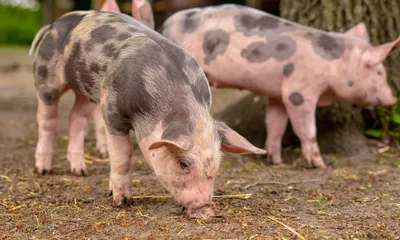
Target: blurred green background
19	22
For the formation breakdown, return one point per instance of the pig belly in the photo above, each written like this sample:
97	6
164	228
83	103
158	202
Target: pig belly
232	72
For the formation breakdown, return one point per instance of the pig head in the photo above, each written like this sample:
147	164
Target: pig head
297	67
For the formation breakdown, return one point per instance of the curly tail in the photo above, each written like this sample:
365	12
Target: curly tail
38	35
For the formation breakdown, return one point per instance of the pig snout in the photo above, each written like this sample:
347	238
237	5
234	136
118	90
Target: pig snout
196	197
197	201
386	98
387	101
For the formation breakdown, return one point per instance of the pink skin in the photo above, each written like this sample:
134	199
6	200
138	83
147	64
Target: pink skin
100	132
320	86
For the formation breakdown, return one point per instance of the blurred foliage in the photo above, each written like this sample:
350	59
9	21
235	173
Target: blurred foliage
388	123
18	26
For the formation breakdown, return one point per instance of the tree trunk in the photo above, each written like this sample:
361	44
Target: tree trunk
339	127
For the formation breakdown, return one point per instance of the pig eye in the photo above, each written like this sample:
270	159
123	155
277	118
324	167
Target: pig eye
184	165
379	72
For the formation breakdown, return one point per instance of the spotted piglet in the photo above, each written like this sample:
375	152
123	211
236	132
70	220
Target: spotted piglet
143	82
297	67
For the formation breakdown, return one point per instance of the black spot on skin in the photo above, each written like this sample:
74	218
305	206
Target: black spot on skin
123	36
47	48
190	22
253	24
77	74
48	94
328	46
281	48
94	67
350	83
103	33
64	26
296	99
288	69
42	72
176	129
110	50
215	43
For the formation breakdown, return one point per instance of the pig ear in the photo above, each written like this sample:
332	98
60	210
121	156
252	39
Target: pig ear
232	142
142	11
376	55
110	6
359	30
181	144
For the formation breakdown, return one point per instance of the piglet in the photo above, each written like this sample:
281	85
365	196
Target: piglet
143	82
297	67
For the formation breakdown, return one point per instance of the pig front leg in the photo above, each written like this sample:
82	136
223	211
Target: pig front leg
301	106
78	122
100	131
120	150
276	121
47	116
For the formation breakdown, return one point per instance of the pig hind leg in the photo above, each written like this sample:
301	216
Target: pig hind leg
78	122
100	131
276	121
47	116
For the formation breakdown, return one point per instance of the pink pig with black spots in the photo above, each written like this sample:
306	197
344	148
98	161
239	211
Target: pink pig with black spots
297	67
131	78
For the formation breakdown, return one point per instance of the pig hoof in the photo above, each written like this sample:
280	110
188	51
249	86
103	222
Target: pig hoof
102	153
202	212
319	165
78	172
41	172
123	202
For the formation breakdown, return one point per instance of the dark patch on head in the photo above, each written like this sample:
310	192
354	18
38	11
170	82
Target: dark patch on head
280	48
350	83
77	73
42	71
328	46
47	48
48	94
123	36
253	24
65	25
190	22
296	99
215	43
288	69
175	129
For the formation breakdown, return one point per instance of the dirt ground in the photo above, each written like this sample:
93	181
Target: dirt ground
351	199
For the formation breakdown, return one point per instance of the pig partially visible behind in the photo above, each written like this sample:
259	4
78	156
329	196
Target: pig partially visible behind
143	82
297	67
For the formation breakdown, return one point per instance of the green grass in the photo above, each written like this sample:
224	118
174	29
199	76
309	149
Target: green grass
18	26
